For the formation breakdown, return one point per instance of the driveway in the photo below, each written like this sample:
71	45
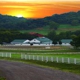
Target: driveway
20	71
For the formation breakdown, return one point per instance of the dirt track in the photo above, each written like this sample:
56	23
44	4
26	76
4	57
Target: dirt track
22	71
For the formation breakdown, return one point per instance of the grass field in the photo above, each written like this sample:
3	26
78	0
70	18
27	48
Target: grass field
54	65
46	30
2	78
59	55
70	53
18	55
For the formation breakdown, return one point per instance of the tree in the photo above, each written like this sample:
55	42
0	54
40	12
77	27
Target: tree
52	35
76	41
60	42
53	25
75	23
54	42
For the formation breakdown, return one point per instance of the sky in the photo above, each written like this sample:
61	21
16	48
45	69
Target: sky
37	8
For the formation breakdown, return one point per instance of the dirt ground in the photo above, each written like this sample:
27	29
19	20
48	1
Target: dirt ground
21	71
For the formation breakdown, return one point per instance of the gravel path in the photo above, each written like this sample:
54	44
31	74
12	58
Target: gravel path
22	71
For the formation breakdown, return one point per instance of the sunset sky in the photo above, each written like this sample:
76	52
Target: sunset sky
37	8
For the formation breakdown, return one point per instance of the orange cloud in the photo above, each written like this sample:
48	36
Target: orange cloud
37	10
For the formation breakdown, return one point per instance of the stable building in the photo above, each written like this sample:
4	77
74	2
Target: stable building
66	42
20	41
41	40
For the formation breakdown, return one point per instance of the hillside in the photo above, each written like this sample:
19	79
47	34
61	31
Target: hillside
66	21
45	30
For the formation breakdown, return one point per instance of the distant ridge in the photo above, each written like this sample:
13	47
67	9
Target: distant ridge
10	22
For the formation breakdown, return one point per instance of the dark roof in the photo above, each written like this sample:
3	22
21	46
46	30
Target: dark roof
36	34
66	40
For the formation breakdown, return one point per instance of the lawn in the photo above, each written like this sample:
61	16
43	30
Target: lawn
77	56
64	55
16	56
41	50
2	78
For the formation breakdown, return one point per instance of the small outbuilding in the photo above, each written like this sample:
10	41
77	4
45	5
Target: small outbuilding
66	42
20	41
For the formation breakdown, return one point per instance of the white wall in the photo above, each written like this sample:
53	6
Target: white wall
66	44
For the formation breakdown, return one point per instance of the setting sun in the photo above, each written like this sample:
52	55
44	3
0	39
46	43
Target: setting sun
37	9
19	15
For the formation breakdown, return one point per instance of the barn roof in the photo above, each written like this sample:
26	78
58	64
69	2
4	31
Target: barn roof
66	40
19	41
43	39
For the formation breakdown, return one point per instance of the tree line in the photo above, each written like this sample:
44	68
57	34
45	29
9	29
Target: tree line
6	36
9	22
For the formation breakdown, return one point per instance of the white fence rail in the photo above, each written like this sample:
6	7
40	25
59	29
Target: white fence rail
51	59
42	58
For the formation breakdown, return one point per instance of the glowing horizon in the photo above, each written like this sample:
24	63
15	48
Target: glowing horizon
37	9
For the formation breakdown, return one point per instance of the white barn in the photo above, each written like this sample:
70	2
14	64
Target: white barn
35	41
41	40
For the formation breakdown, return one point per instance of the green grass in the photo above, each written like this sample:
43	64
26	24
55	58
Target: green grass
53	65
66	27
45	30
41	51
60	66
60	55
16	56
2	78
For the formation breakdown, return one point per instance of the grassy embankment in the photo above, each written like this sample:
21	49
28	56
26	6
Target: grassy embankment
2	78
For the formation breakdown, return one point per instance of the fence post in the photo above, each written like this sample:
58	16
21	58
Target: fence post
25	56
33	57
68	61
46	58
29	57
7	54
74	60
21	56
10	55
57	59
37	57
62	60
2	55
42	58
52	59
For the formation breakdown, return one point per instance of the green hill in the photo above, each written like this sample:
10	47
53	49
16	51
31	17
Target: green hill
70	18
45	30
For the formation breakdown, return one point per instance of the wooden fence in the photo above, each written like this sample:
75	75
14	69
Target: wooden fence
41	58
